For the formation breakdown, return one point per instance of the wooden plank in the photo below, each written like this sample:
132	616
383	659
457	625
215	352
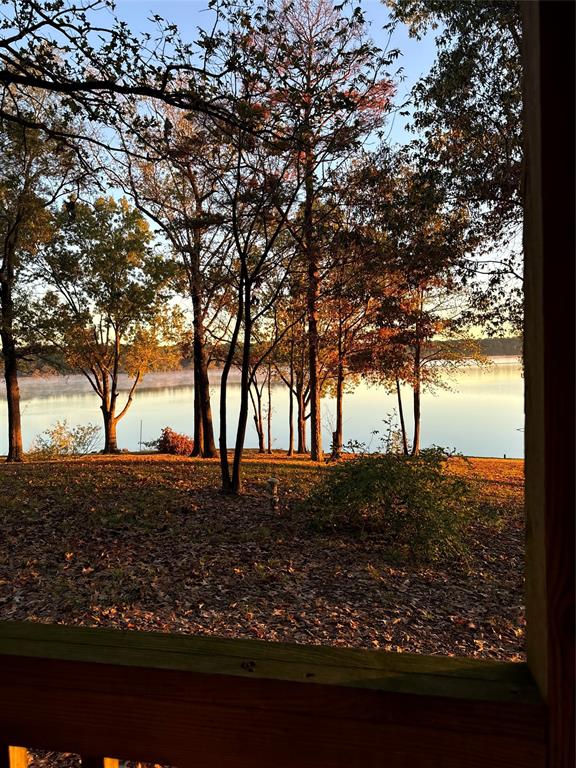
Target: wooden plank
534	395
406	673
557	24
18	757
248	717
13	757
549	345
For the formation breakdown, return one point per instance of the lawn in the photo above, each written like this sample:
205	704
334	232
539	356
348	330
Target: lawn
149	543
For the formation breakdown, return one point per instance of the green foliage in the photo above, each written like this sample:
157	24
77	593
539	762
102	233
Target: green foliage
61	440
471	99
415	502
104	305
468	117
107	284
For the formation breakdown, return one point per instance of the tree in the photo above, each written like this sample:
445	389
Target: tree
289	359
468	112
351	310
410	324
261	194
421	238
105	306
35	174
290	355
330	75
81	51
178	190
258	384
313	64
347	303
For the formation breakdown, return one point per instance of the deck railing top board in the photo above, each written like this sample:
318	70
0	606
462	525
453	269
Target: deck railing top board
231	704
453	677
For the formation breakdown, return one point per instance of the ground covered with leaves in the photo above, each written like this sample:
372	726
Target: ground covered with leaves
150	543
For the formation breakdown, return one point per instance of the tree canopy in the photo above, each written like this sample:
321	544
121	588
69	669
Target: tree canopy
263	196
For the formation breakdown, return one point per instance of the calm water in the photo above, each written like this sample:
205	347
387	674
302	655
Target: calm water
482	414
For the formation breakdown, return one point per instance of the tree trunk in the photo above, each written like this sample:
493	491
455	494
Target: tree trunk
260	432
223	437
198	424
223	440
290	423
269	414
110	422
416	389
206	443
312	311
236	487
108	404
291	403
301	421
257	414
338	435
401	414
15	450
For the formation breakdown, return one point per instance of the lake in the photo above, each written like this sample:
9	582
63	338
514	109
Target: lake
481	415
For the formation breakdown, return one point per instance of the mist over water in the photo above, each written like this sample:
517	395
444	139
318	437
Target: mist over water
481	415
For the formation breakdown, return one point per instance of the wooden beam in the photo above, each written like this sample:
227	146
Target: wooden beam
220	703
549	68
458	677
18	757
534	398
13	757
557	68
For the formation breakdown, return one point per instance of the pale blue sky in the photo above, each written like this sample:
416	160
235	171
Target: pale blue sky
416	59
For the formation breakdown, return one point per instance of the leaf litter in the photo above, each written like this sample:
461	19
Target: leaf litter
148	542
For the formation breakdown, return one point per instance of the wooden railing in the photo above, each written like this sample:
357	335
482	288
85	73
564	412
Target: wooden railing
17	757
217	703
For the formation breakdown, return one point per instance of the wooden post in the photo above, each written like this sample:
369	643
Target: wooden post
548	54
13	757
18	757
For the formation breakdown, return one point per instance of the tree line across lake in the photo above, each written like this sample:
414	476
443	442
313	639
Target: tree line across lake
53	361
235	202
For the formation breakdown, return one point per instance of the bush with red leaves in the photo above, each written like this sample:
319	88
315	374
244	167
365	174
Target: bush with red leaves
172	442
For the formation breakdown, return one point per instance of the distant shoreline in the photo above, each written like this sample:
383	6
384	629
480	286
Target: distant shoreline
72	384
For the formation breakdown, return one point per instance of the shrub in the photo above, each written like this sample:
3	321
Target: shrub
61	440
172	442
415	502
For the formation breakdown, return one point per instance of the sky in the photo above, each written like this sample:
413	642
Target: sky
416	55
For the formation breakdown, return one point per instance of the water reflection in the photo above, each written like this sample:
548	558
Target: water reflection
482	414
